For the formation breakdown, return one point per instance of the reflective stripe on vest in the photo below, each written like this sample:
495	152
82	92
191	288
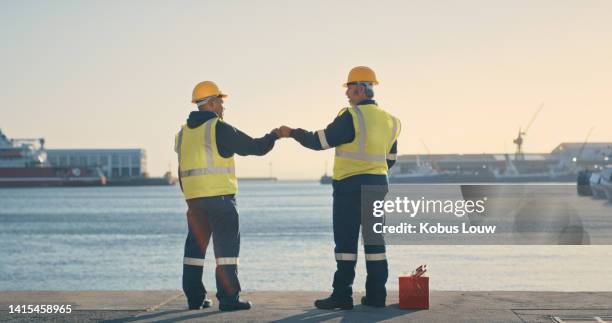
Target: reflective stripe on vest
210	169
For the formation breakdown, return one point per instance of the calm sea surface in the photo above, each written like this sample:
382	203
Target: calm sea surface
113	238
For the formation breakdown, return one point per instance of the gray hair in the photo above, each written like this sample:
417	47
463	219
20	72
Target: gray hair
369	89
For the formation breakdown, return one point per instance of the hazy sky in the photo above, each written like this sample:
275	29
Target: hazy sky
461	75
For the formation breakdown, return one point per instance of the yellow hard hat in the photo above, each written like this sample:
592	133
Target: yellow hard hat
205	89
361	74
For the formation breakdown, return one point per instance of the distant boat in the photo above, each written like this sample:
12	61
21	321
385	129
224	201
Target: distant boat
325	179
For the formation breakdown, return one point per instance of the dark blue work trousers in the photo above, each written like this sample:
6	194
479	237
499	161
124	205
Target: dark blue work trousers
217	217
347	223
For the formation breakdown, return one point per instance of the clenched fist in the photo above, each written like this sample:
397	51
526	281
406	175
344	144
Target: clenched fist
284	131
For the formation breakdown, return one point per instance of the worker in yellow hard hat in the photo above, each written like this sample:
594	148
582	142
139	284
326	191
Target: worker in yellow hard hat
365	139
206	145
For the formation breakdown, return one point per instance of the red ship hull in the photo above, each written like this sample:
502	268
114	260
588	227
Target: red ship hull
49	177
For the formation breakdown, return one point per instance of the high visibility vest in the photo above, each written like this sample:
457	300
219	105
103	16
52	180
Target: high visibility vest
375	133
203	171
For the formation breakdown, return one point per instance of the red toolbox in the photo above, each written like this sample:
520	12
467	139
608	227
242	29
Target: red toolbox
414	291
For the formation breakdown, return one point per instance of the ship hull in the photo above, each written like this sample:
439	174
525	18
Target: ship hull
142	181
459	178
49	177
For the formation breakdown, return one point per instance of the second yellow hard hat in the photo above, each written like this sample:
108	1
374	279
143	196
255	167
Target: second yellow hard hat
205	89
361	74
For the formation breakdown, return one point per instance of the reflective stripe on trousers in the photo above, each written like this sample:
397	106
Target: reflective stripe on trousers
227	261
368	256
375	256
346	256
193	261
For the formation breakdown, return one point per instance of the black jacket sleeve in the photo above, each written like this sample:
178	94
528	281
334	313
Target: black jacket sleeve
233	141
392	155
179	179
340	131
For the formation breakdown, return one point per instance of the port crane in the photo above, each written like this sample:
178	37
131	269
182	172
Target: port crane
433	163
518	141
586	140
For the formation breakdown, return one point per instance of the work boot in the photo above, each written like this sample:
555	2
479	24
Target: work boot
205	304
367	302
238	306
333	302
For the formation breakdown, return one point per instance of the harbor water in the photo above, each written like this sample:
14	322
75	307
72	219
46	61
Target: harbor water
131	238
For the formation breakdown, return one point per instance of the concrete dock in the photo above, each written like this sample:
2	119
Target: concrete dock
445	306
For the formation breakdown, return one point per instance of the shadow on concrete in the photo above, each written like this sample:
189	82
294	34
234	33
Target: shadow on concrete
167	316
197	315
152	315
359	314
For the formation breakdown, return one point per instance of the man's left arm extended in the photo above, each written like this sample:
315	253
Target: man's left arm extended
233	141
